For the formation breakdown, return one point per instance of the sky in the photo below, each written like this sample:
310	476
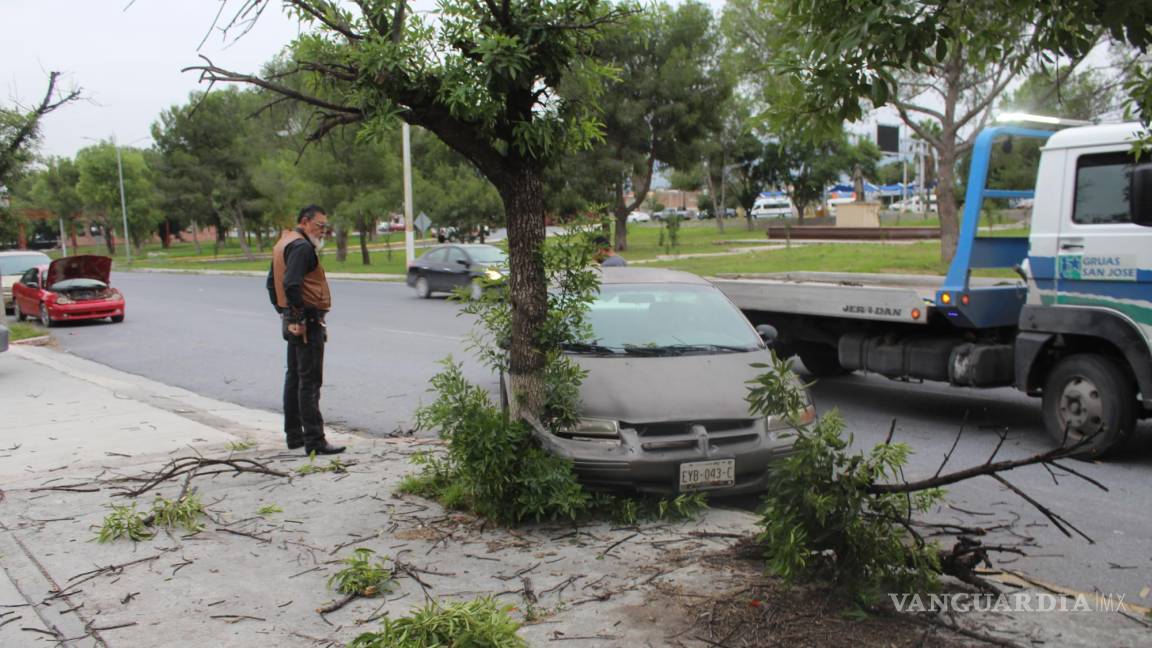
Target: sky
126	61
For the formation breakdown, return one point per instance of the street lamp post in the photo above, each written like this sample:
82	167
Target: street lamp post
409	240
123	202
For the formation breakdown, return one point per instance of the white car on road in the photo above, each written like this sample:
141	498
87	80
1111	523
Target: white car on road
639	217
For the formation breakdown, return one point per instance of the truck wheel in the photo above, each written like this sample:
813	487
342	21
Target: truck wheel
19	314
821	361
1089	397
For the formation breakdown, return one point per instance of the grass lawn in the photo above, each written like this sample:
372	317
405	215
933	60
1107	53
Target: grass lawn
644	243
23	331
914	258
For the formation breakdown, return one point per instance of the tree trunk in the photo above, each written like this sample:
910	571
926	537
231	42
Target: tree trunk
241	230
621	218
196	236
341	243
523	195
110	240
946	202
365	231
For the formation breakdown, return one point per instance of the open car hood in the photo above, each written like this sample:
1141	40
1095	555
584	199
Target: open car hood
84	266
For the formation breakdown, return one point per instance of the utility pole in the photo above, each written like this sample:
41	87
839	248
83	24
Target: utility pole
409	241
123	202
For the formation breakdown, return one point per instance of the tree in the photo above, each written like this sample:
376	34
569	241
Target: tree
207	155
54	189
98	188
485	79
663	104
20	127
831	56
449	188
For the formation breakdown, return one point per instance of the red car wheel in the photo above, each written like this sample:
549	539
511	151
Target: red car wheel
45	319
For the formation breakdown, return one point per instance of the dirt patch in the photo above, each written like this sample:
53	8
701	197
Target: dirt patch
764	613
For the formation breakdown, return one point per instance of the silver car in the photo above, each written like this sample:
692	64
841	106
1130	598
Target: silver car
15	263
664	407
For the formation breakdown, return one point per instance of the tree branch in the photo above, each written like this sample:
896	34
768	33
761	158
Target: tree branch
342	28
27	132
212	73
976	471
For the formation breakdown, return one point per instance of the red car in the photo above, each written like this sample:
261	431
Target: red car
68	289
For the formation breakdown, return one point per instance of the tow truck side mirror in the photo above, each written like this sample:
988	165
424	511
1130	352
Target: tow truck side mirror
1140	194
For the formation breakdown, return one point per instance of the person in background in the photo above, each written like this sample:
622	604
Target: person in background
299	291
605	255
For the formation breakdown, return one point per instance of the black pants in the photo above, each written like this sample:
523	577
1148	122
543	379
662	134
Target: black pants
303	422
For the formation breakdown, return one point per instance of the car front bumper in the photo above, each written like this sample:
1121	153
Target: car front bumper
647	459
85	310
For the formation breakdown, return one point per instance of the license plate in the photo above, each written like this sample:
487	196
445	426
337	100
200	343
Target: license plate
699	475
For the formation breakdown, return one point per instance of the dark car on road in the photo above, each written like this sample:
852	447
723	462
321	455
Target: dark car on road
663	406
445	268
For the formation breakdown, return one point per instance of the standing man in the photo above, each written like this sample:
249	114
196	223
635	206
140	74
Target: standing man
299	291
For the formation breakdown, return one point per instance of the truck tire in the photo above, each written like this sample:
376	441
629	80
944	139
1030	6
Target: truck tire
821	361
1089	395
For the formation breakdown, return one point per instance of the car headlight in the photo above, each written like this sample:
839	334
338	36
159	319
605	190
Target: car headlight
492	274
591	428
802	417
63	299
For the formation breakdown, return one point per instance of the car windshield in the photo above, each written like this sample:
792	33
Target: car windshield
488	256
20	263
78	284
665	319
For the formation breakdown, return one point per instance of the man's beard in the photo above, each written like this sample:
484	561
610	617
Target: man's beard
318	244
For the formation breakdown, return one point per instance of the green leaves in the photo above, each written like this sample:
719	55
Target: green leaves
362	577
123	522
480	623
819	520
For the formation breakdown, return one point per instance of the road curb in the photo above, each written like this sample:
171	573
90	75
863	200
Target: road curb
346	276
40	340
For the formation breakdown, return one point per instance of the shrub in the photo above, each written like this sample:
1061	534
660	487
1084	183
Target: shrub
493	465
362	577
818	517
480	623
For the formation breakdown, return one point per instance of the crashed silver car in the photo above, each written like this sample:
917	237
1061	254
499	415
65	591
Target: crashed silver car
664	407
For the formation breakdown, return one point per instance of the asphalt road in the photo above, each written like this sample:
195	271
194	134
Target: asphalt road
219	336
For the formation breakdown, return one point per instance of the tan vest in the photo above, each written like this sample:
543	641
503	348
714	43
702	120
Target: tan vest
315	288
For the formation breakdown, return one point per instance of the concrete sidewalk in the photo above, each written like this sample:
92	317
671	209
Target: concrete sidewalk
72	430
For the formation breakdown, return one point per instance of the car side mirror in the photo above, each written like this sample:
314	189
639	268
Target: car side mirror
463	262
1140	194
768	333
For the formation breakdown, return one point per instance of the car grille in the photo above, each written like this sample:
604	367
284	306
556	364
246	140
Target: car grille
679	435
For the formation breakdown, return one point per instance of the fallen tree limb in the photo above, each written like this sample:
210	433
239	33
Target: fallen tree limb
194	467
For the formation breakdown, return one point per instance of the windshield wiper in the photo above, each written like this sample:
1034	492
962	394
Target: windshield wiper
681	349
587	347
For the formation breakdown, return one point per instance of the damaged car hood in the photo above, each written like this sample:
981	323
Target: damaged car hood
84	266
676	388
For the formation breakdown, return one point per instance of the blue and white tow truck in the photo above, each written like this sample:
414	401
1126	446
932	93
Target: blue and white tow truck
1075	329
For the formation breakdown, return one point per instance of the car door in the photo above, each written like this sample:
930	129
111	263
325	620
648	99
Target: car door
1102	255
431	265
26	292
456	272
